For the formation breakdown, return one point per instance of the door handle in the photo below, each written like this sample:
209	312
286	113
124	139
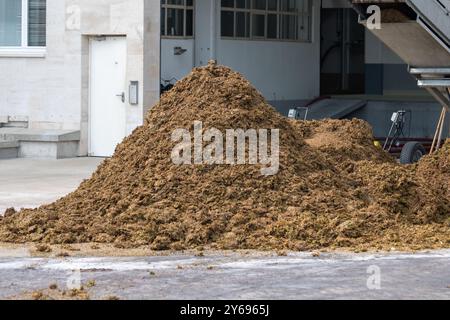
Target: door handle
122	96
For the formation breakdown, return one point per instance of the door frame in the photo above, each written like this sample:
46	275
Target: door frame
89	97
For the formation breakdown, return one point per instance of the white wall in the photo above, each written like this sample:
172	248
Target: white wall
47	90
280	71
176	66
53	92
152	54
206	32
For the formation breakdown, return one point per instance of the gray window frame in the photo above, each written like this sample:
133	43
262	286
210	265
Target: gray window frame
301	15
165	6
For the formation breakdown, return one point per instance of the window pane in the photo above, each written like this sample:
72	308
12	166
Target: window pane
175	22
242	24
272	23
189	23
227	23
37	23
289	27
228	3
10	23
190	3
258	25
272	5
259	4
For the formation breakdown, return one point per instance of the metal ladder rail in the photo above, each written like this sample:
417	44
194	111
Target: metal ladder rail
434	16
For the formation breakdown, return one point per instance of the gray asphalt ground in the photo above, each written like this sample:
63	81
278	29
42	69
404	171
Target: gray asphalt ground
233	276
217	275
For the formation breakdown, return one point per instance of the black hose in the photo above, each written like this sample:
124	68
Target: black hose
327	53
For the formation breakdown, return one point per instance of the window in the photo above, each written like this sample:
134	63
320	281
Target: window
288	20
177	18
22	24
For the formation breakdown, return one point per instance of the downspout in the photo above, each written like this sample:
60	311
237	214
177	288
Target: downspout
213	34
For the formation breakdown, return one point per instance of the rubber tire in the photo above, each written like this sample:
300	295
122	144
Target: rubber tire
412	152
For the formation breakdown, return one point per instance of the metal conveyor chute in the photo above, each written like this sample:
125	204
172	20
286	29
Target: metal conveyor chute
421	37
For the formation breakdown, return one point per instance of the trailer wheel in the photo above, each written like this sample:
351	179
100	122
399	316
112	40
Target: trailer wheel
412	152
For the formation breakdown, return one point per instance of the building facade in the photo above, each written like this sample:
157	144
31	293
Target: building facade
55	79
77	76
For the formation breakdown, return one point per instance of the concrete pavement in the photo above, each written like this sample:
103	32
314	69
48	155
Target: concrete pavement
217	275
28	183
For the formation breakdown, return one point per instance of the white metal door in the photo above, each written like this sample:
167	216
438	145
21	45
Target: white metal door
107	119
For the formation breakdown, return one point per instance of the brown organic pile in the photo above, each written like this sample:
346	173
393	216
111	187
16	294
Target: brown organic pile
434	171
335	189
